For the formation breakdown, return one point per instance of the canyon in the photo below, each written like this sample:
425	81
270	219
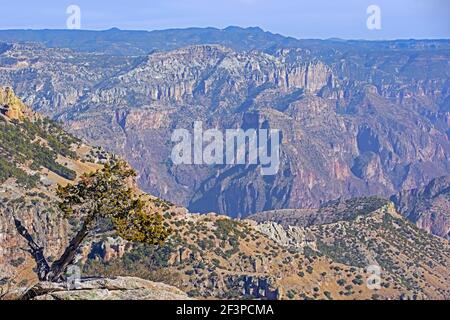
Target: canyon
357	118
272	255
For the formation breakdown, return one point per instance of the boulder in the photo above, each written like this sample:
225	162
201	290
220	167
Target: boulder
120	288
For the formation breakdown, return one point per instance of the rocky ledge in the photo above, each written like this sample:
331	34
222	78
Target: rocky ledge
120	288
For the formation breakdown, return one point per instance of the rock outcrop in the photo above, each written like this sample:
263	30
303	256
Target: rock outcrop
289	237
428	207
120	288
11	106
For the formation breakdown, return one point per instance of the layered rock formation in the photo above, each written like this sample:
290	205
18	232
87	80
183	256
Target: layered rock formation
321	255
11	106
289	236
357	118
428	207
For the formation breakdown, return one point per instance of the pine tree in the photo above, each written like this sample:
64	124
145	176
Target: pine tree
104	194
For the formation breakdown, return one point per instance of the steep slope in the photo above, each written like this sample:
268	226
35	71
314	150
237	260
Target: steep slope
215	256
428	207
35	155
208	256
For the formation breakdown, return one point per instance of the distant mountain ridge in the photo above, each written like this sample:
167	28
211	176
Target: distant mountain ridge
129	42
135	42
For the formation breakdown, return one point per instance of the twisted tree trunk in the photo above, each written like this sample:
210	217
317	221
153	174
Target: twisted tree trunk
59	267
35	250
55	272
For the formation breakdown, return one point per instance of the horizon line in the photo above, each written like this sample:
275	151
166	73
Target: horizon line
116	29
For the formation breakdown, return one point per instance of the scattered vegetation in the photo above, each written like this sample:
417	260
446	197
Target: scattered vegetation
36	144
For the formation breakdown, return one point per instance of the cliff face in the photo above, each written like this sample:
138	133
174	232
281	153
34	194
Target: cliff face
49	228
11	106
356	119
35	156
295	254
428	207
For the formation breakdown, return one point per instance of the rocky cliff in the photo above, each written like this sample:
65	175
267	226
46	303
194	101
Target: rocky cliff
35	156
428	207
11	106
357	118
298	255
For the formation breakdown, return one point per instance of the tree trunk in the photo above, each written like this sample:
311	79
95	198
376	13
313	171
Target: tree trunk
60	266
36	251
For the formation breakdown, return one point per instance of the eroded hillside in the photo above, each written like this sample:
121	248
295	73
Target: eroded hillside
357	118
327	256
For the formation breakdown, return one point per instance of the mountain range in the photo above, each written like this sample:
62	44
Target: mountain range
364	159
327	256
358	118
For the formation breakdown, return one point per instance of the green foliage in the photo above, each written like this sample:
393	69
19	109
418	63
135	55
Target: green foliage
17	262
309	269
21	142
58	140
226	228
206	244
341	282
349	210
291	294
106	194
358	280
344	251
8	170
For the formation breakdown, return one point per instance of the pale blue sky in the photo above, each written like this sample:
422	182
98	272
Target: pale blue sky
298	18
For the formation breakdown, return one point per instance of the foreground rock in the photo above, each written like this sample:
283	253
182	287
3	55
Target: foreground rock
120	288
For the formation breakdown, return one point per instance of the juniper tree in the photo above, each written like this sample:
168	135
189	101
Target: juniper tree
105	194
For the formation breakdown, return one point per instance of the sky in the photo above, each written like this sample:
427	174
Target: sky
298	18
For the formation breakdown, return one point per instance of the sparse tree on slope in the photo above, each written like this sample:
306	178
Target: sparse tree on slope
108	194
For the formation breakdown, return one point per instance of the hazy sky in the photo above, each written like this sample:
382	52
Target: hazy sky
298	18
